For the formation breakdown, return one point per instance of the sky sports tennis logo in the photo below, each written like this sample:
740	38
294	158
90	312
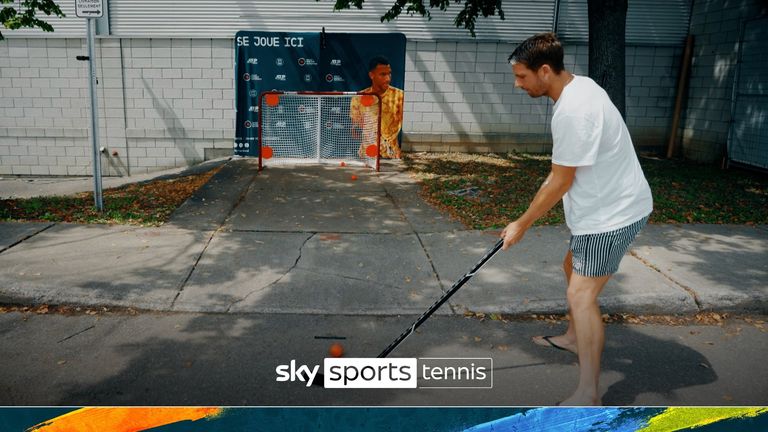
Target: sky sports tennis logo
384	373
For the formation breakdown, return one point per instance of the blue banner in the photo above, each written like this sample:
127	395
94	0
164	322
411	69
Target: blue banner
304	62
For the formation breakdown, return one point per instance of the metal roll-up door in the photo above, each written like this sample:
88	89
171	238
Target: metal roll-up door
748	134
223	18
649	22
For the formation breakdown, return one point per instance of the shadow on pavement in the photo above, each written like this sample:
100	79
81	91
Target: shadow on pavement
230	360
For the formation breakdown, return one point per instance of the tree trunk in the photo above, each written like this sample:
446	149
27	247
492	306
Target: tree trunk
607	25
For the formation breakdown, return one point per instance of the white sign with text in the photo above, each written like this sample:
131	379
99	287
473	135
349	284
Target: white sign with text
89	8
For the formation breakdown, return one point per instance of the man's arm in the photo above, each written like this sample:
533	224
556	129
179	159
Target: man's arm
555	186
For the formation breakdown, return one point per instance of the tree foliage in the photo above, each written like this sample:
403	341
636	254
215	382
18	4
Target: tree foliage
607	19
26	15
466	17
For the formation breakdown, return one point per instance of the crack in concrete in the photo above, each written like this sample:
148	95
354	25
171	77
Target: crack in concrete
76	334
686	288
240	199
220	228
290	269
357	279
26	238
426	253
192	270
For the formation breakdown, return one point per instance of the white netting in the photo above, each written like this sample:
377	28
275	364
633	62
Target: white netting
319	128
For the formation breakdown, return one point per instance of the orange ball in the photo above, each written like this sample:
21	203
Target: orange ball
354	177
336	350
372	151
343	163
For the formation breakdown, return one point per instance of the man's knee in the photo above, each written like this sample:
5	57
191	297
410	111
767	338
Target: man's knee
583	290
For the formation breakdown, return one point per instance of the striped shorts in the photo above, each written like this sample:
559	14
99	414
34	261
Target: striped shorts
596	255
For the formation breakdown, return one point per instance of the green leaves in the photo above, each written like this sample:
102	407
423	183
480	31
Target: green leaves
26	15
467	16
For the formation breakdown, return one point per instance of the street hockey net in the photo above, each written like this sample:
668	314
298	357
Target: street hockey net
319	127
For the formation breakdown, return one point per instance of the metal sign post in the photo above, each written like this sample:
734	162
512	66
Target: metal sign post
91	9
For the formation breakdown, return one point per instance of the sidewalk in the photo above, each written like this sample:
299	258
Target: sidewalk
28	187
312	240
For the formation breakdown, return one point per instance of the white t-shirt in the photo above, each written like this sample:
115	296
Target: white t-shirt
588	132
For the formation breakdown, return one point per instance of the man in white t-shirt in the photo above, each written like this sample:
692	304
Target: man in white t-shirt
605	195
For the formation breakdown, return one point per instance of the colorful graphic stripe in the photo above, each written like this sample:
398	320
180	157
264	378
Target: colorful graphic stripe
621	419
122	419
187	419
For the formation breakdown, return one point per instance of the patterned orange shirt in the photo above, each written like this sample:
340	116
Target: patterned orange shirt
391	118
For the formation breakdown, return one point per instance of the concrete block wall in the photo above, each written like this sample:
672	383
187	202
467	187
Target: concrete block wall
716	26
162	103
170	102
43	107
460	96
651	85
179	100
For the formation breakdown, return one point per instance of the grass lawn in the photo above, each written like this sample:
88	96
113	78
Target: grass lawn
147	203
490	190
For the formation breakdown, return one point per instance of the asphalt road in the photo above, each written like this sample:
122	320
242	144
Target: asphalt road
231	360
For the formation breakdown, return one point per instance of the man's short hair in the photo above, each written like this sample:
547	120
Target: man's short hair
378	60
538	50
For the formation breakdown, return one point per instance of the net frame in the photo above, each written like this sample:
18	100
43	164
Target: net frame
374	161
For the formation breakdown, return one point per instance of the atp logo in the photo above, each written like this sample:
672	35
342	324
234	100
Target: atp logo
307	62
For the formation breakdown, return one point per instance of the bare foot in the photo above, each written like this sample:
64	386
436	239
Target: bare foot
559	342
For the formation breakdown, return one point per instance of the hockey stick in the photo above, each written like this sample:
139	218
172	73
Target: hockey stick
435	306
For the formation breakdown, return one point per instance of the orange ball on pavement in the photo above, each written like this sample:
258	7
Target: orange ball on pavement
354	177
336	350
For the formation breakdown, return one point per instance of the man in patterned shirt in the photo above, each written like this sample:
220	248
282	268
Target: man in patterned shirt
380	73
